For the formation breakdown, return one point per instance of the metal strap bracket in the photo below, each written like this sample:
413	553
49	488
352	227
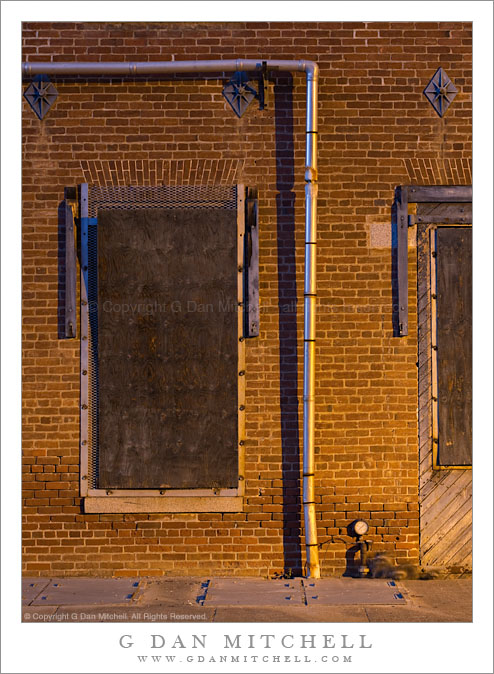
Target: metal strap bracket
251	265
70	309
421	194
261	94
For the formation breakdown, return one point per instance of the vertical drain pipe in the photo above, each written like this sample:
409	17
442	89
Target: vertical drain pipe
311	69
310	299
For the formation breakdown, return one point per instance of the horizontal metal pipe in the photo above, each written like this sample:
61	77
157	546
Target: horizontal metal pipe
125	68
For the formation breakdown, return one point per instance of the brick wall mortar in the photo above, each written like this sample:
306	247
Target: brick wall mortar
376	130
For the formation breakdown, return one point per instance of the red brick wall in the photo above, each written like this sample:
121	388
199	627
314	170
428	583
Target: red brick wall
376	131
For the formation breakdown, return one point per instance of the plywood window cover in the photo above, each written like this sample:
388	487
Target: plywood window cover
434	354
157	500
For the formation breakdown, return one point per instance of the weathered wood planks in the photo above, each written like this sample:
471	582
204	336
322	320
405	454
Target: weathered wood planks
454	345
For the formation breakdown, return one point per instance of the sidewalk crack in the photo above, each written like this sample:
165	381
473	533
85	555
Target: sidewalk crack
304	593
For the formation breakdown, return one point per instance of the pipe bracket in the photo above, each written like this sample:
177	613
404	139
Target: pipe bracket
310	174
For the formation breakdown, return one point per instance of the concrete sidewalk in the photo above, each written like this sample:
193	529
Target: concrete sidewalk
244	600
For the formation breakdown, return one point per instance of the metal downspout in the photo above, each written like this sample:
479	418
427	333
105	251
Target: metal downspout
126	68
310	299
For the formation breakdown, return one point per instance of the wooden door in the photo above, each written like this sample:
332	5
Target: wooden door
445	394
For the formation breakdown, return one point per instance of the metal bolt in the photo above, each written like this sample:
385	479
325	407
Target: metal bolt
84	372
84	303
241	408
434	297
84	337
162	491
241	443
241	373
84	407
240	478
434	348
108	492
84	477
241	339
240	268
84	442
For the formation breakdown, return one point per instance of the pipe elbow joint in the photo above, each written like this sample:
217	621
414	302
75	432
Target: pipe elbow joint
311	69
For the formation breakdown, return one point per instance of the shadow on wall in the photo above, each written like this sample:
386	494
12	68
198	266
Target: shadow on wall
287	318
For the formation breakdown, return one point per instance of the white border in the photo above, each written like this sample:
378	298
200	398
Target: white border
448	647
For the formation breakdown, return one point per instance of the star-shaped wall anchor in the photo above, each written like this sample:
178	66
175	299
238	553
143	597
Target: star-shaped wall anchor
440	92
239	93
41	94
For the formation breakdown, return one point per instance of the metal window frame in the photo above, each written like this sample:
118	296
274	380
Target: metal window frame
433	347
158	500
415	194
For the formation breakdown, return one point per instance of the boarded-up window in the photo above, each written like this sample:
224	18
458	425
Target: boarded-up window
451	285
167	348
